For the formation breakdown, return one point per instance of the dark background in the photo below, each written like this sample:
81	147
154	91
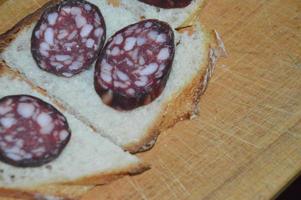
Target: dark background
293	192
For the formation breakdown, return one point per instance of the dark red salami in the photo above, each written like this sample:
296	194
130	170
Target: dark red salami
68	37
168	3
32	132
134	66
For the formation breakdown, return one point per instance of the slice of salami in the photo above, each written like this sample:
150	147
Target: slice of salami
168	3
68	37
32	132
134	66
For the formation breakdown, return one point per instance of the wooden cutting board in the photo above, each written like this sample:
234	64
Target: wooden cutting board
246	144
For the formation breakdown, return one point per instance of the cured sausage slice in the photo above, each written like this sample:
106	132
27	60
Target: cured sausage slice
32	132
68	37
168	3
134	66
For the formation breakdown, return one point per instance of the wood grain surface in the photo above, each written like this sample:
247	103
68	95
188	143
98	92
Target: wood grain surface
246	144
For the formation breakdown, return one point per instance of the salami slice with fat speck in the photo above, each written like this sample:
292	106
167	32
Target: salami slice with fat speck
168	3
134	65
32	132
68	37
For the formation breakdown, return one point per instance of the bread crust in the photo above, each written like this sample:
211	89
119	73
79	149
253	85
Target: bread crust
8	198
101	178
63	192
60	189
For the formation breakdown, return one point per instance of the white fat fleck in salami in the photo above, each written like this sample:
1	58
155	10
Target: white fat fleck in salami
47	129
122	76
43	27
163	54
80	21
106	66
90	43
49	36
66	31
130	91
142	81
37	34
148	24
98	32
135	64
7	122
153	35
63	135
118	39
52	18
62	57
44	53
88	7
86	30
28	131
76	11
44	119
115	51
39	150
75	65
149	69
130	43
141	41
26	110
119	84
66	74
66	10
106	77
161	38
57	64
44	46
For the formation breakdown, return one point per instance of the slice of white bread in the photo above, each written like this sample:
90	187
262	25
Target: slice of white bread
134	130
88	158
